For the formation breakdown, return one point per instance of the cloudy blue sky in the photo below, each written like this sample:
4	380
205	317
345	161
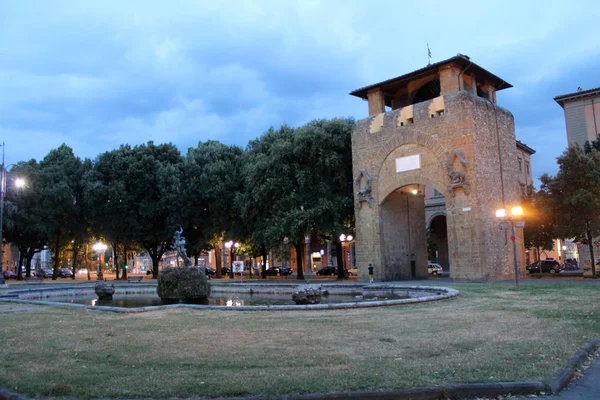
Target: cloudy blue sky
96	74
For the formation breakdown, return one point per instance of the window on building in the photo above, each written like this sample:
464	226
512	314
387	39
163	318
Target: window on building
527	169
520	165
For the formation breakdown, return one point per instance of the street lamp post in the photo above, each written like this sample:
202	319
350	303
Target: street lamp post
345	239
99	248
229	246
18	183
515	219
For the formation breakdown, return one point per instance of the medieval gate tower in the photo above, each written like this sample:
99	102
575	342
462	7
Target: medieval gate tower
440	127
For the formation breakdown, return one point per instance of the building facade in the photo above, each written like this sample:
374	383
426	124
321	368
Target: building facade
582	115
440	127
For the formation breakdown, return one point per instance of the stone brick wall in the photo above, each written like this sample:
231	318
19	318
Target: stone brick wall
479	132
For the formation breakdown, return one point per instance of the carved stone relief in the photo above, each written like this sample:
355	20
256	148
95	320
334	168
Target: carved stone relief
457	173
363	188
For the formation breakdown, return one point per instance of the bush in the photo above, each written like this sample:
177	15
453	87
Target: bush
188	284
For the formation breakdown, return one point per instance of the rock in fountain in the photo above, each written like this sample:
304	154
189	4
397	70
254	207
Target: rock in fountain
105	290
187	284
307	295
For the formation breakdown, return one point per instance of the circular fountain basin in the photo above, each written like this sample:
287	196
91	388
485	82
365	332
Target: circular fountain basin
131	298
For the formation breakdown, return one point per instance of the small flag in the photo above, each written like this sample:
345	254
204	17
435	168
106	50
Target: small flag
428	55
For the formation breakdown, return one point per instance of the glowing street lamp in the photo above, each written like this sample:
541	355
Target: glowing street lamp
515	219
99	248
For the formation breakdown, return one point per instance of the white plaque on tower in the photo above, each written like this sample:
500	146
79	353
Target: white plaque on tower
409	163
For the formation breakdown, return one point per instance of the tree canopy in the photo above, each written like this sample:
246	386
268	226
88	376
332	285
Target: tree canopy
287	184
574	194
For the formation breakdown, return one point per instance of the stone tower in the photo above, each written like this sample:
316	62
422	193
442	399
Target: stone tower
437	126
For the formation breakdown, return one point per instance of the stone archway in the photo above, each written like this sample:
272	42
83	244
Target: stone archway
455	143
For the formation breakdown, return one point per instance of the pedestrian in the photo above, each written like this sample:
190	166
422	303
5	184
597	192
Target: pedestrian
371	273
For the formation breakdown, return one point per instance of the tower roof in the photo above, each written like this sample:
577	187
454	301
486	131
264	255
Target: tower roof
562	99
460	60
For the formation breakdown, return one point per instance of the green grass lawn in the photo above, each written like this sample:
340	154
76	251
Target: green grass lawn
489	333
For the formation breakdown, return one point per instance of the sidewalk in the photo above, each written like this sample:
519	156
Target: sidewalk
585	388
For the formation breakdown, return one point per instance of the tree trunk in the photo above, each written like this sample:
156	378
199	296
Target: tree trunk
154	257
30	254
133	257
74	262
20	266
339	255
126	265
28	264
231	253
263	264
591	247
153	251
115	248
56	259
299	258
196	259
217	250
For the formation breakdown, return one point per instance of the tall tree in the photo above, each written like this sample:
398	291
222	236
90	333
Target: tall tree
274	198
540	224
23	219
109	200
153	187
299	182
60	176
211	172
327	145
575	196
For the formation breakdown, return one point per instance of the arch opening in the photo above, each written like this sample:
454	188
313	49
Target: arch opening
437	242
413	232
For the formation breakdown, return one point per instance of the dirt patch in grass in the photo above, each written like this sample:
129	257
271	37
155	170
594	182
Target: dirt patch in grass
490	333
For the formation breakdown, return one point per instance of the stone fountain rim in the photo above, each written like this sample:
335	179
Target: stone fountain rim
438	293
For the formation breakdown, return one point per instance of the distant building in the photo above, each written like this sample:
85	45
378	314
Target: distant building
582	115
582	118
524	154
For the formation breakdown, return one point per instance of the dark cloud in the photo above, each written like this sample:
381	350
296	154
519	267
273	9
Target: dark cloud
98	74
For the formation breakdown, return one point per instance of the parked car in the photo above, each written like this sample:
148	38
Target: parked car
44	273
544	266
329	270
210	271
9	274
149	272
65	273
353	271
282	270
571	264
225	270
435	269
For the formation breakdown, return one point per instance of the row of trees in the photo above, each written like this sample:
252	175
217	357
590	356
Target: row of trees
287	184
567	205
